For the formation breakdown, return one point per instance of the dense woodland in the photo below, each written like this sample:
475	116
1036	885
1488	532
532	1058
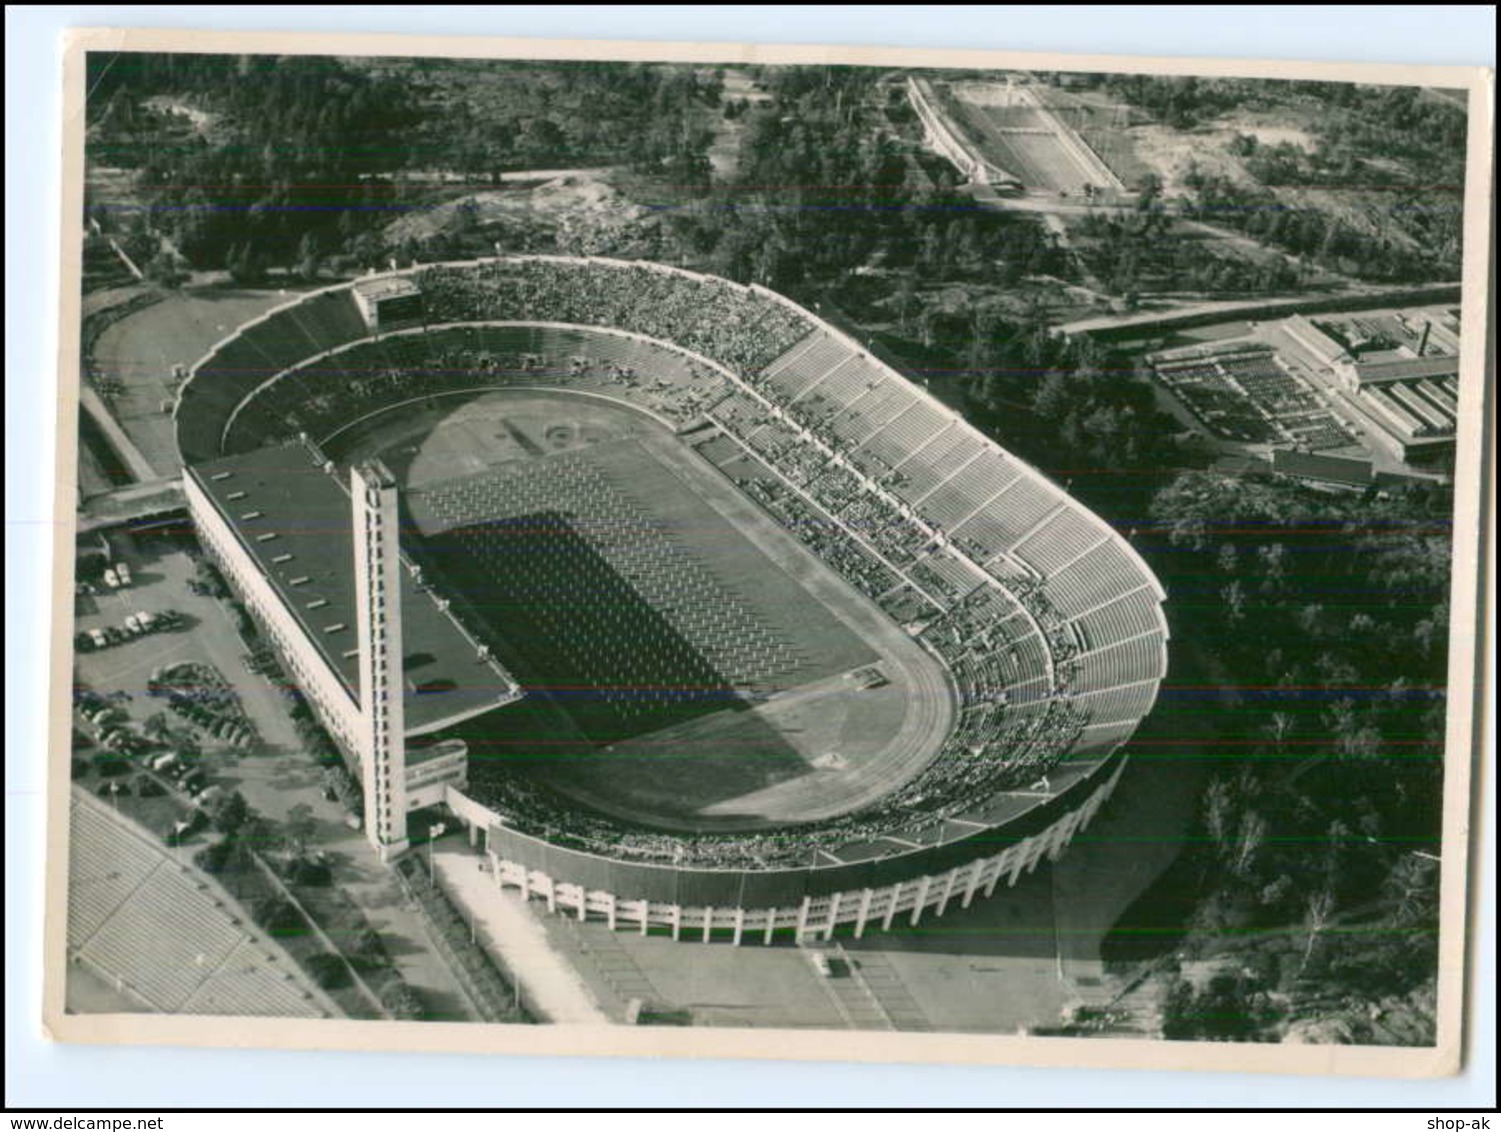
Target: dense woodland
1407	238
1316	860
1138	249
824	190
308	157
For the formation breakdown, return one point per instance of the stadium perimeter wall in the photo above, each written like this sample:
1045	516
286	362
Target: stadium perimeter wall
808	901
957	864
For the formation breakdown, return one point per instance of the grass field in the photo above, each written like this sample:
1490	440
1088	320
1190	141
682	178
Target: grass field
607	546
792	742
141	349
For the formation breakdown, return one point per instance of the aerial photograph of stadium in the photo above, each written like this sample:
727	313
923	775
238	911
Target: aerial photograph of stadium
763	546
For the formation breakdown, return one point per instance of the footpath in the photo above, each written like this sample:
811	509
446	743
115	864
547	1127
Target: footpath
505	923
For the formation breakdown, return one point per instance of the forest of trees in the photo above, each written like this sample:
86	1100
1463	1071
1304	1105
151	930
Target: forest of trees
306	155
288	173
1429	252
1078	411
1316	860
1141	249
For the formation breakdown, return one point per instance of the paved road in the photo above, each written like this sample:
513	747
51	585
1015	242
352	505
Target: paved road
125	448
549	984
481	180
1264	308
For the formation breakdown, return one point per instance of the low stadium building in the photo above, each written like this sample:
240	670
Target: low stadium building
1403	382
280	525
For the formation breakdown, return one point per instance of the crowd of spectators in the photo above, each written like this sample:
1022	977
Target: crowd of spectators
986	616
326	395
721	320
826	538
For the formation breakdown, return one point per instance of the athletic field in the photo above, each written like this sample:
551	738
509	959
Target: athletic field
700	658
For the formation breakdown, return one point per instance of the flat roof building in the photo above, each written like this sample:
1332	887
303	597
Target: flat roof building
384	300
292	521
1345	471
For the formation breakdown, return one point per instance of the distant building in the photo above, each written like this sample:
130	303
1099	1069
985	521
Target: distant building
1326	349
386	301
1407	394
1344	471
1404	369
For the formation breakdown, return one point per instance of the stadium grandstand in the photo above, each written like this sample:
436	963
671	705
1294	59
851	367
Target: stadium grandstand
1047	625
164	935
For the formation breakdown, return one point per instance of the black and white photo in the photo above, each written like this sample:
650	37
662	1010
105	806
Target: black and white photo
932	556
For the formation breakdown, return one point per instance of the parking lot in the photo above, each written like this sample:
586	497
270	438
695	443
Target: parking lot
273	773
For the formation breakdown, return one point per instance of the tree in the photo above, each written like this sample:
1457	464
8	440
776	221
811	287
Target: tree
330	972
230	813
402	1001
1218	811
308	257
277	916
189	752
300	826
1248	842
367	946
1317	912
163	270
110	763
156	726
1233	597
1279	726
1230	1008
213	858
1412	888
1273	561
1054	396
1149	190
245	263
308	873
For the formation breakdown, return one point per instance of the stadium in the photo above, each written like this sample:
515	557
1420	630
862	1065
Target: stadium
740	632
